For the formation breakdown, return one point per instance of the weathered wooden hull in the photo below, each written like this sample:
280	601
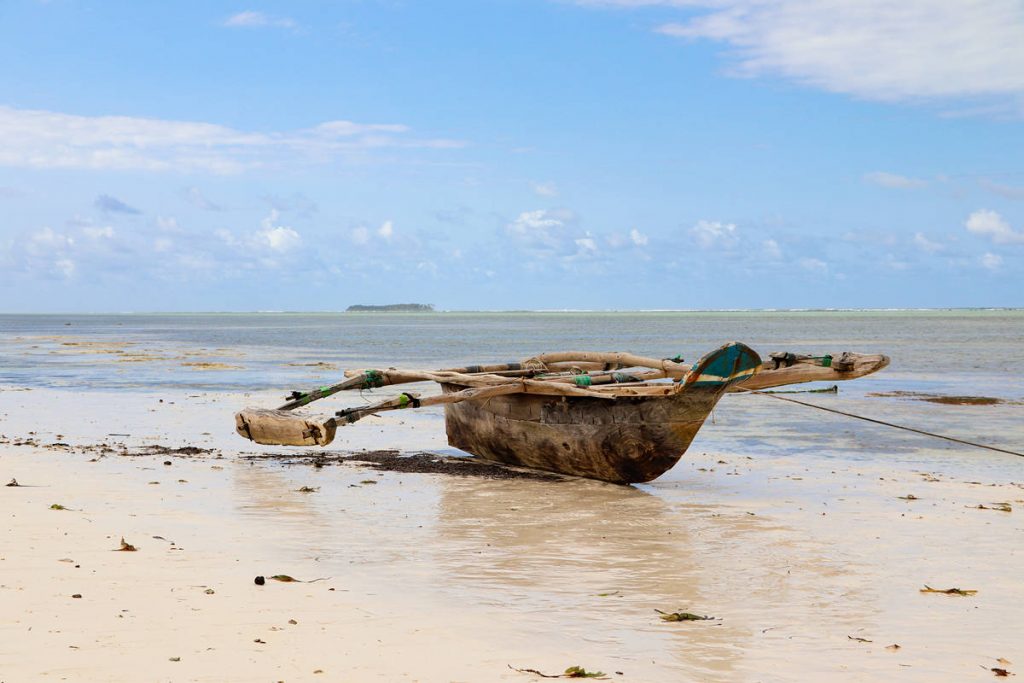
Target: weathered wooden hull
625	440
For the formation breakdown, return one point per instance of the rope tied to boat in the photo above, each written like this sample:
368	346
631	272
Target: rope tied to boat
883	422
373	379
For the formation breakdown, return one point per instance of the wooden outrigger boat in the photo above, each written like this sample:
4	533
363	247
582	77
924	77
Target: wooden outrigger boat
611	416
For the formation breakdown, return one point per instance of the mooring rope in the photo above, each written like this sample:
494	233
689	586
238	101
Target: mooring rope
882	422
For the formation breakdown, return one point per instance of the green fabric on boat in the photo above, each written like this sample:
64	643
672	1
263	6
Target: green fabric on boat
372	379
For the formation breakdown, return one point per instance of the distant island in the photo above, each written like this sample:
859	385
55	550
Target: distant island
392	308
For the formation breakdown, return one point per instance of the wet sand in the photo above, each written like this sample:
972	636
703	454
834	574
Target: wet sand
811	566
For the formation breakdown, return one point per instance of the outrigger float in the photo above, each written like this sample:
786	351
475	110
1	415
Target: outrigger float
616	417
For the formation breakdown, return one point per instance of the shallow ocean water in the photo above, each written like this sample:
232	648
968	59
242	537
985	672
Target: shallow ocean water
941	350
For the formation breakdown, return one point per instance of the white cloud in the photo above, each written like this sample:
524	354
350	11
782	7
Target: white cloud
250	19
279	238
541	228
874	49
991	261
387	229
65	267
44	139
925	244
640	3
990	224
814	265
714	234
360	235
893	263
545	189
637	238
48	240
45	252
1003	190
168	224
894	181
196	197
346	129
106	231
771	250
586	244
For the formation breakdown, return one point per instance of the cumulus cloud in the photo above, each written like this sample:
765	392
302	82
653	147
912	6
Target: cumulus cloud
586	244
109	204
196	198
168	224
359	235
46	240
386	230
65	267
990	224
278	238
715	234
772	251
251	19
269	242
894	181
46	253
637	238
541	229
874	49
990	261
545	189
45	139
106	232
1003	190
813	265
925	244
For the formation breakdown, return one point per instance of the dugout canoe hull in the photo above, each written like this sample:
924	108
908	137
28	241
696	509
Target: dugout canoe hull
626	440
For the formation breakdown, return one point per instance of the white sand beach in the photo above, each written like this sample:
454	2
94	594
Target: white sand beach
811	567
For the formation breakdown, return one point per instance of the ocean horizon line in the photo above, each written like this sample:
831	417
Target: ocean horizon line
534	311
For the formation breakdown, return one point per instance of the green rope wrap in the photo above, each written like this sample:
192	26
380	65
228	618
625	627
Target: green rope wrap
582	380
373	379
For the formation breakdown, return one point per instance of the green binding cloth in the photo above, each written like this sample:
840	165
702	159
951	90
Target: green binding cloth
582	380
372	379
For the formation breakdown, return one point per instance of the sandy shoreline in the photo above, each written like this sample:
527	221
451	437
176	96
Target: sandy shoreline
440	578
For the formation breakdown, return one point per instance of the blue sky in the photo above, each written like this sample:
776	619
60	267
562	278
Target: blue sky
505	154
